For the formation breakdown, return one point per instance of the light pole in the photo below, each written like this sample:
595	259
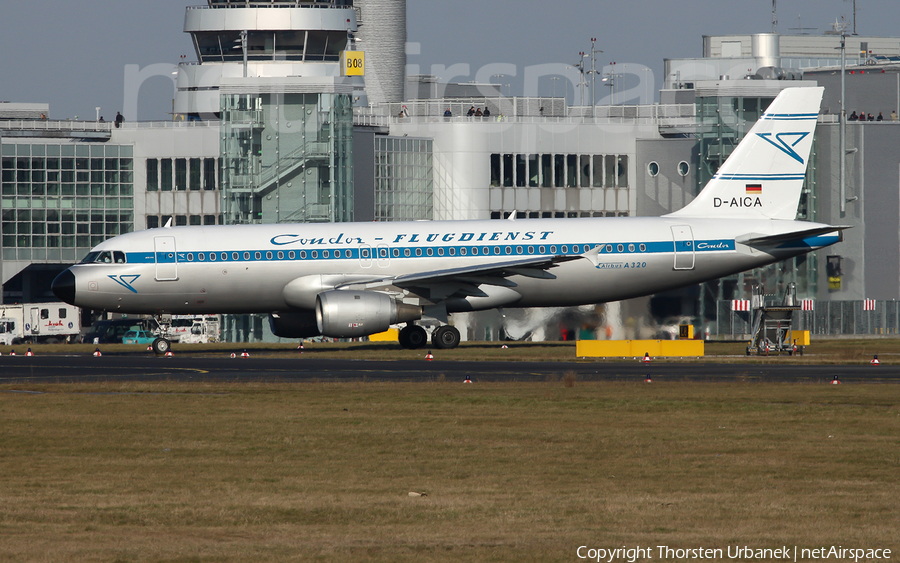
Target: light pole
580	67
842	129
610	79
593	71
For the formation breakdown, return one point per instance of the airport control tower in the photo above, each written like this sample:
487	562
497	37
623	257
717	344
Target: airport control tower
272	73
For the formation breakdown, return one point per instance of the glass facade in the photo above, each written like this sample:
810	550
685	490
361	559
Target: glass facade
287	158
600	183
59	200
404	182
282	45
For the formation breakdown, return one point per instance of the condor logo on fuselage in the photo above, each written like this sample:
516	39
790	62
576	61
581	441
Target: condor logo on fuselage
737	202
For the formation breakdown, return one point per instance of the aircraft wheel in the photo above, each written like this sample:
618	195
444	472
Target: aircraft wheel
161	346
413	337
445	337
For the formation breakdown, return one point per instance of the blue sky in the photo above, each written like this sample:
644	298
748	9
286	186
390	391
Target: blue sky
72	54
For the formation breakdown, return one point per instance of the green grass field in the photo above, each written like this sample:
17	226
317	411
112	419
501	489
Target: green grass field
207	472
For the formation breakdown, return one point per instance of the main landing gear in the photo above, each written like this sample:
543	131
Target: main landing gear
444	337
413	337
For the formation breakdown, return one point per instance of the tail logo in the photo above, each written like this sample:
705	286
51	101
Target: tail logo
126	281
784	145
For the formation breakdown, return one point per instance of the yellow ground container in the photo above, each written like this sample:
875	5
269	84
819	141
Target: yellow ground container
637	348
801	337
390	335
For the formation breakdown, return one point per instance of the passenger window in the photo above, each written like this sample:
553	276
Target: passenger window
45	313
62	313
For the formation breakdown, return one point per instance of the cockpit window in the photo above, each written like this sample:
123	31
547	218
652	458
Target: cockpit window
105	257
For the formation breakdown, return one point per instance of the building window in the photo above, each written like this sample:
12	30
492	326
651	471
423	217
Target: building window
165	174
195	174
209	174
180	174
152	175
495	170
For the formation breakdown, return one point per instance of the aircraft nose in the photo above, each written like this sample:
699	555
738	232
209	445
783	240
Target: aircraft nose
64	287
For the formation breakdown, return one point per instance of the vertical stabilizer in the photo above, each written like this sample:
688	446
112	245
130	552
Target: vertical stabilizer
764	175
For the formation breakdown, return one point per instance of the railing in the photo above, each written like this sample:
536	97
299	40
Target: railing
72	125
835	118
829	318
432	111
273	4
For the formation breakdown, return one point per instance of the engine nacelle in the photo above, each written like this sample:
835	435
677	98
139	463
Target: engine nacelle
351	314
300	324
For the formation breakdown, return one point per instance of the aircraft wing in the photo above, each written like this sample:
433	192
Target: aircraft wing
438	284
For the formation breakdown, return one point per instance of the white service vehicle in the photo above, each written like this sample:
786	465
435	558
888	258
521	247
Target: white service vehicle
194	329
39	323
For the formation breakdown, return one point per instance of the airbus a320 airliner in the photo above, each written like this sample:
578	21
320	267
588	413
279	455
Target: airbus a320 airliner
348	280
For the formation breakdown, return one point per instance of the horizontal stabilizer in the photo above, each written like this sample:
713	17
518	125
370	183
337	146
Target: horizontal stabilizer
758	239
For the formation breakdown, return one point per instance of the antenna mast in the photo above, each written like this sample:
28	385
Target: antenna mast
775	18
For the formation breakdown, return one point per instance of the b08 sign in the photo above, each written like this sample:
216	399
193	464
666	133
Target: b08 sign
353	63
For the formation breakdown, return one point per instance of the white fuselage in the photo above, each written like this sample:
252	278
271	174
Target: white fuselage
245	269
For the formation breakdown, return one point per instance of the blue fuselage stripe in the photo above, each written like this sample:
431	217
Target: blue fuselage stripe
450	251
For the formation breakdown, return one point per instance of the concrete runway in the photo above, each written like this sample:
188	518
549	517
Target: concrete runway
133	367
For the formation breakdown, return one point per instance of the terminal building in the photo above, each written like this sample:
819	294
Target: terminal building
270	127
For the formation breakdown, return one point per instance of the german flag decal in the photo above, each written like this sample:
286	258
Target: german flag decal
754	188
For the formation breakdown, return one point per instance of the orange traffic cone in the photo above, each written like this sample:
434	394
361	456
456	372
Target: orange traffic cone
875	361
429	356
647	359
835	381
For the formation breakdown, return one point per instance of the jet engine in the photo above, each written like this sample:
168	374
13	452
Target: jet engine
351	314
300	324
